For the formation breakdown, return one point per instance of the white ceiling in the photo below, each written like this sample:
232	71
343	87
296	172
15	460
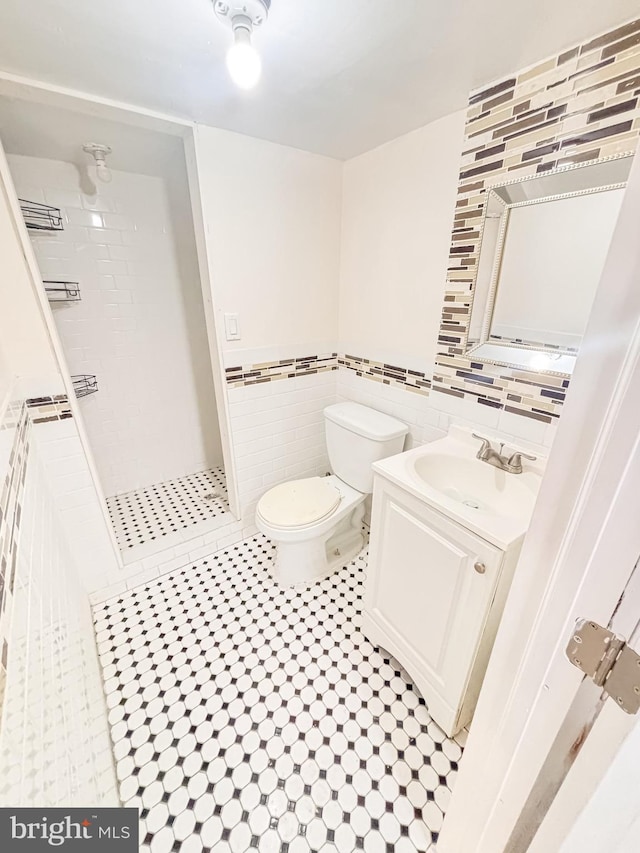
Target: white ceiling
40	130
340	76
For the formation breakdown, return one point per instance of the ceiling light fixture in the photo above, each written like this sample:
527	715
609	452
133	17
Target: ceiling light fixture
99	153
243	16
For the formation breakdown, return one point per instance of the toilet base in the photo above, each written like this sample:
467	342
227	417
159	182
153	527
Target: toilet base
311	560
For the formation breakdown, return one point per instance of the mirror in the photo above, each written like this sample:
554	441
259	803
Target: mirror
544	244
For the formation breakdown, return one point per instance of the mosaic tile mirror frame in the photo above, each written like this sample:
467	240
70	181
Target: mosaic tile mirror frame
545	240
574	108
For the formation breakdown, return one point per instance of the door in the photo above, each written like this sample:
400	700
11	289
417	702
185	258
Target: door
576	561
598	803
610	820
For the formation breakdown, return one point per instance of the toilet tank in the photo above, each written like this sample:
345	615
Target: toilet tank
358	436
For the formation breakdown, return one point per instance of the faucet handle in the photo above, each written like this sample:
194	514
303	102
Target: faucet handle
515	460
486	444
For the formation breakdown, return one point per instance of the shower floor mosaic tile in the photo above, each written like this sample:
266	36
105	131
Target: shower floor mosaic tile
246	716
156	511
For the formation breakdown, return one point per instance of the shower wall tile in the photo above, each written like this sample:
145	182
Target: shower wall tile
54	740
139	325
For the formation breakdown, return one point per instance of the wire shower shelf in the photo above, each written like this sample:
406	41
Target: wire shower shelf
84	384
62	291
41	217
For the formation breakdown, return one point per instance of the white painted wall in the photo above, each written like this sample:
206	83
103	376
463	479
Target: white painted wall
5	376
26	348
272	216
398	204
140	325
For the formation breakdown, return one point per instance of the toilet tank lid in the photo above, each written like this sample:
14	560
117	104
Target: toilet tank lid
365	421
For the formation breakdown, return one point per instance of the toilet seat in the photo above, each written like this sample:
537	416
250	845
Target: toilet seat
310	550
298	503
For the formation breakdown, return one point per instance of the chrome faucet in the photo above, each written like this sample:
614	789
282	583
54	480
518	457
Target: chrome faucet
512	464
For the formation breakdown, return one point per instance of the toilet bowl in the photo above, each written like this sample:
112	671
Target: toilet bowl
316	522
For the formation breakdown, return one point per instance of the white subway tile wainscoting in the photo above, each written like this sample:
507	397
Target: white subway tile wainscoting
274	408
430	416
278	432
77	499
248	716
54	739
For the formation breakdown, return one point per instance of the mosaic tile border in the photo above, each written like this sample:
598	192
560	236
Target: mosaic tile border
581	105
378	371
286	368
388	374
16	419
45	409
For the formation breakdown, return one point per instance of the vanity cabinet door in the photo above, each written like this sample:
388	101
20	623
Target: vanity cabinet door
429	591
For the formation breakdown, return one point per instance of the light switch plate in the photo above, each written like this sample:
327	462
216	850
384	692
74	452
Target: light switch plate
232	327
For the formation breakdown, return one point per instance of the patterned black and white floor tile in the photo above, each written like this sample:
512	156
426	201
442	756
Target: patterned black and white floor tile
246	716
158	510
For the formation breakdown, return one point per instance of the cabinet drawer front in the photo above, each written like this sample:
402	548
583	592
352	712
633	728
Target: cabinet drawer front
425	589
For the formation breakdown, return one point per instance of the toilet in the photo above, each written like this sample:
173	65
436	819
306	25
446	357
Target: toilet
316	523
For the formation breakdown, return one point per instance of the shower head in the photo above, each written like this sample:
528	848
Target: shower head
99	153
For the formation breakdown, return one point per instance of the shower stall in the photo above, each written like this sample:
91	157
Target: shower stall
109	213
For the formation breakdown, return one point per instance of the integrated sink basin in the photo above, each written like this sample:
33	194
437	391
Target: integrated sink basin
493	503
478	485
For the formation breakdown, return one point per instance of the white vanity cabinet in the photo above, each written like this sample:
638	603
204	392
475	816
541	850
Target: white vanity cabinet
433	599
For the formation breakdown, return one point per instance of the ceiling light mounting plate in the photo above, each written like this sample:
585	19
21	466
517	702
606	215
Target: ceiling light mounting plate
97	150
255	11
99	153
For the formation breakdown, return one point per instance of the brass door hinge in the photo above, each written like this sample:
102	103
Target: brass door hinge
607	659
